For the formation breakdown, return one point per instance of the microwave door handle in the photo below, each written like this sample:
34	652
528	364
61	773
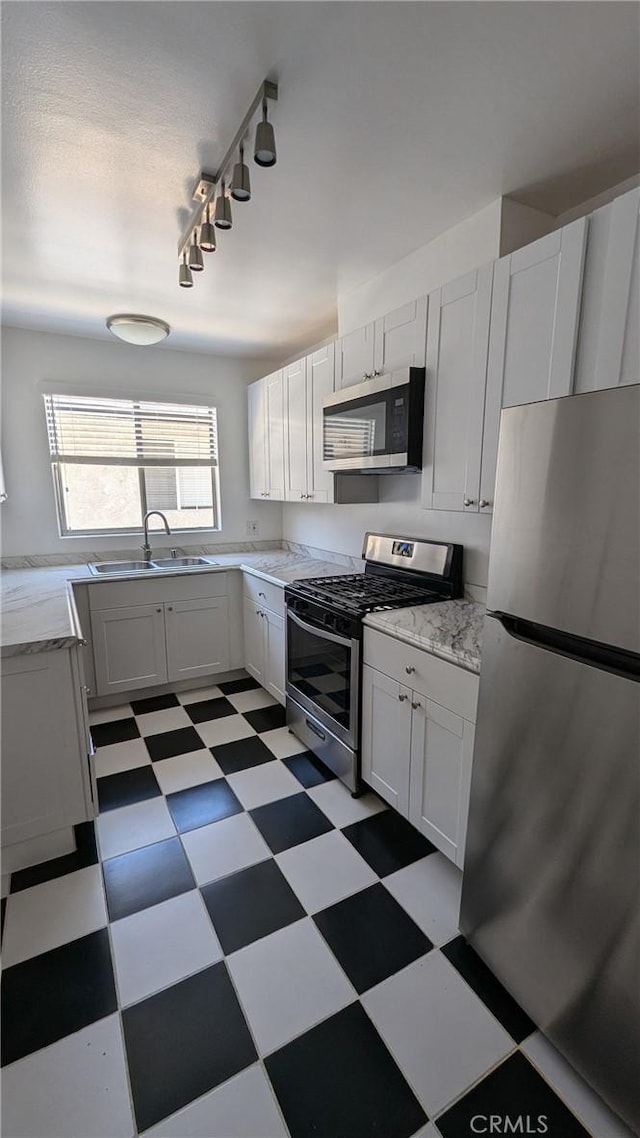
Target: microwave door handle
322	632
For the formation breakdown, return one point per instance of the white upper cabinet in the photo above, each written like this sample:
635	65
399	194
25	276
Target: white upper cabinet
320	383
457	347
275	436
258	476
400	336
609	342
295	395
354	356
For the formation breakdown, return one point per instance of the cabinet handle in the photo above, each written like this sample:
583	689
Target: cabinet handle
258	613
402	697
469	501
375	374
86	690
264	595
484	502
409	669
367	375
415	705
82	642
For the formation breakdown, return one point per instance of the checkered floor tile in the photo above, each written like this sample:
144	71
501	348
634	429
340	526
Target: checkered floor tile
241	948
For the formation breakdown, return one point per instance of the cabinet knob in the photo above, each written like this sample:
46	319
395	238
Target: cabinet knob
159	610
376	373
415	705
484	502
86	690
170	608
258	613
469	501
402	697
264	595
409	669
367	375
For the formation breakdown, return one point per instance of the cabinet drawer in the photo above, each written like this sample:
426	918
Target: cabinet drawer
263	593
156	589
446	684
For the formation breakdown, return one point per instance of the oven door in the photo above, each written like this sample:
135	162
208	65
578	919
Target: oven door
322	673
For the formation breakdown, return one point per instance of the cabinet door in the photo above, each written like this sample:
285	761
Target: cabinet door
400	337
254	637
258	446
457	347
609	341
197	637
441	756
275	436
129	648
354	356
320	383
274	678
295	386
386	738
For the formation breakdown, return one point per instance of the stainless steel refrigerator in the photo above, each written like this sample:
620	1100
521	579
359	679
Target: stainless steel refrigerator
551	890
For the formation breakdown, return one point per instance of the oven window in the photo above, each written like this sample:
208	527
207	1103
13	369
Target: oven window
321	670
355	432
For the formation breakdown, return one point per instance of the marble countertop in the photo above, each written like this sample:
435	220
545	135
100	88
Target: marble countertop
449	629
38	610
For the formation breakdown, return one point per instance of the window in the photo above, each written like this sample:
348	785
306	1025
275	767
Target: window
114	459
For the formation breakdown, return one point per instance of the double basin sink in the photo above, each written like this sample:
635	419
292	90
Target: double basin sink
100	568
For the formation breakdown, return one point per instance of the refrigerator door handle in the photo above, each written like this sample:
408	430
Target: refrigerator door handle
603	656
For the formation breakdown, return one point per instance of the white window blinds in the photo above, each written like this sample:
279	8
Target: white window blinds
130	433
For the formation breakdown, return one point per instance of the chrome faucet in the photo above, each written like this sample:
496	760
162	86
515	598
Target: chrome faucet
146	548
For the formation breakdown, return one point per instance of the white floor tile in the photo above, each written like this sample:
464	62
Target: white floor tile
134	826
429	890
325	870
186	770
77	1086
224	847
244	1107
161	945
119	757
217	732
169	719
282	743
287	982
441	1035
196	695
593	1113
265	783
110	714
251	700
341	808
53	913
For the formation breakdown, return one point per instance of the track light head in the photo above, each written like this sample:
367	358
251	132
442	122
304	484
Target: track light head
241	182
196	264
265	148
207	234
222	216
185	279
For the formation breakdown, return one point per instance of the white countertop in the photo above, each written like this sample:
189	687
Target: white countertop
449	629
38	612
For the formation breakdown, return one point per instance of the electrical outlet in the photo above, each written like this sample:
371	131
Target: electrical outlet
252	529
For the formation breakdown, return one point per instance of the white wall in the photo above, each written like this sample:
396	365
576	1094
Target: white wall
28	517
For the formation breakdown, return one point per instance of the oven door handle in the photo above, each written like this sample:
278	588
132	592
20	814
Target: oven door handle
322	632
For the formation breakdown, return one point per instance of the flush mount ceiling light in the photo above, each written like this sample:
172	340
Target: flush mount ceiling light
199	236
139	330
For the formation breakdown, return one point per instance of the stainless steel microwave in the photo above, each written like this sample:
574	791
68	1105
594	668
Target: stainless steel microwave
375	427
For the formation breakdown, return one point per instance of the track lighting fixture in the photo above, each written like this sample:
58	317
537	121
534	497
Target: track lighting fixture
185	278
212	188
207	233
222	216
196	264
241	182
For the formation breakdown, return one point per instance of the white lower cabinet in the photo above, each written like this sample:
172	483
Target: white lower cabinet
254	661
274	680
264	636
197	634
129	648
416	752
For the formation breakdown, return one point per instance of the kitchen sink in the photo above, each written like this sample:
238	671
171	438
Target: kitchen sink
102	567
181	562
120	567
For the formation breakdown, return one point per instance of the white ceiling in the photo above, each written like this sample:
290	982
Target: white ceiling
395	121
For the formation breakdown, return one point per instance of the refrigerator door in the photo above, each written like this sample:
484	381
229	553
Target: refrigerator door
566	523
552	869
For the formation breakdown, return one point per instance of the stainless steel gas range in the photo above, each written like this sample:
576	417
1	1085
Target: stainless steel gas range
324	638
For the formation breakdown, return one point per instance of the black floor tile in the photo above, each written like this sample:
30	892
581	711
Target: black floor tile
387	842
169	743
154	703
145	877
117	731
86	854
127	788
207	709
242	754
514	1091
54	994
371	936
251	904
290	821
308	769
489	989
200	805
339	1081
233	687
184	1041
266	718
